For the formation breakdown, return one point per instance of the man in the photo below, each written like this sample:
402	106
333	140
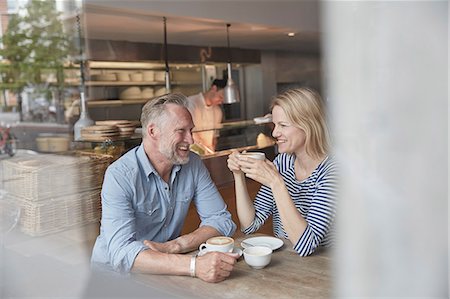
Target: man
146	196
207	113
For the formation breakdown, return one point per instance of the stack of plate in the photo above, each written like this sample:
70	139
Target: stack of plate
100	133
126	127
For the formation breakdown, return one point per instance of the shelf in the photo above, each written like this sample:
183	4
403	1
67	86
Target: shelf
122	83
135	65
111	103
113	140
136	83
125	65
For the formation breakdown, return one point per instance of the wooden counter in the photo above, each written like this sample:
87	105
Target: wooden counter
287	276
229	196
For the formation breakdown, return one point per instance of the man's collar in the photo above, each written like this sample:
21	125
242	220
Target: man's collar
147	164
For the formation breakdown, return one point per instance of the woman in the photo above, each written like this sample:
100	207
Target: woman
300	187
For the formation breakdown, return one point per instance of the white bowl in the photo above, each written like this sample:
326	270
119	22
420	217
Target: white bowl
257	257
136	77
160	91
129	93
148	92
123	76
160	76
148	76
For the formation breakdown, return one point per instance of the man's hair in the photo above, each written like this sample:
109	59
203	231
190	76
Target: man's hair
220	83
154	111
304	108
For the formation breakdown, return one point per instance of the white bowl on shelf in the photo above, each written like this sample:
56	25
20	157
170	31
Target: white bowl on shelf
160	91
130	93
123	76
148	92
160	76
136	77
148	76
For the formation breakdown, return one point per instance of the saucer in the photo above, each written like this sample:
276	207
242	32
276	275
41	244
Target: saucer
267	241
235	250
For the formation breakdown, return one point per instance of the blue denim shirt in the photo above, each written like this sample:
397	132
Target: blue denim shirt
137	205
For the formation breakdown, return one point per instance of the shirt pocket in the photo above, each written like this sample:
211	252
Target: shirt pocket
185	196
148	218
147	208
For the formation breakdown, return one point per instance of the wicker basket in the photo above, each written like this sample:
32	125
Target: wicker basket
39	177
57	214
55	192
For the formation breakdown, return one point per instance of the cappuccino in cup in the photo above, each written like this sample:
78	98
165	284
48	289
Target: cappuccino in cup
220	243
255	155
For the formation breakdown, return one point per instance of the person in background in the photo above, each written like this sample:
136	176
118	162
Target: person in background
146	196
207	113
300	187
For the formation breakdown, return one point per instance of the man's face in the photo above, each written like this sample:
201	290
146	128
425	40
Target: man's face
217	99
176	134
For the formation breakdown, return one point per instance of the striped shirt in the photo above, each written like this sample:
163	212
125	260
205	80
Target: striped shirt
315	199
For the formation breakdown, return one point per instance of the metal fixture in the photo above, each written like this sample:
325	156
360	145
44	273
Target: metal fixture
166	57
84	120
230	92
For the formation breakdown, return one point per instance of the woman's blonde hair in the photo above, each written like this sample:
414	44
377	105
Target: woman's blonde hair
304	109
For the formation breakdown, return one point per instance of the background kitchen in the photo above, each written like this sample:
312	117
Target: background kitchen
118	40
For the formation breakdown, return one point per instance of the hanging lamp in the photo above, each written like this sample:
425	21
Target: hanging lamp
84	120
230	92
166	58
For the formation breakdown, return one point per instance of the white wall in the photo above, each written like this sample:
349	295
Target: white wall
387	83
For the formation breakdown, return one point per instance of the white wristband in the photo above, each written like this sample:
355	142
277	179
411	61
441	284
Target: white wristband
192	266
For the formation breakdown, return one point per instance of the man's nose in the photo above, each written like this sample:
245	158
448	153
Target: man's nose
189	139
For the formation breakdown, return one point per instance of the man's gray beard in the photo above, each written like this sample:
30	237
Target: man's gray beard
171	156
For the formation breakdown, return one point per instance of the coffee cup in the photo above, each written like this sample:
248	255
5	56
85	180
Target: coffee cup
220	243
257	257
255	155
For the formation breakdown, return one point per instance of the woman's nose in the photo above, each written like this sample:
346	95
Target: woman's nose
275	133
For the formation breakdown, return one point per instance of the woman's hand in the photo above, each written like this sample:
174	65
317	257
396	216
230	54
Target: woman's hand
262	171
233	162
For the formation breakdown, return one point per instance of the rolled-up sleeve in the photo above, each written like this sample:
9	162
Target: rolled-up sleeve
264	205
321	215
118	222
210	205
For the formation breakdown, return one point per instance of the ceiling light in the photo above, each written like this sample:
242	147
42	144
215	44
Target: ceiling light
84	120
230	92
291	34
166	58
